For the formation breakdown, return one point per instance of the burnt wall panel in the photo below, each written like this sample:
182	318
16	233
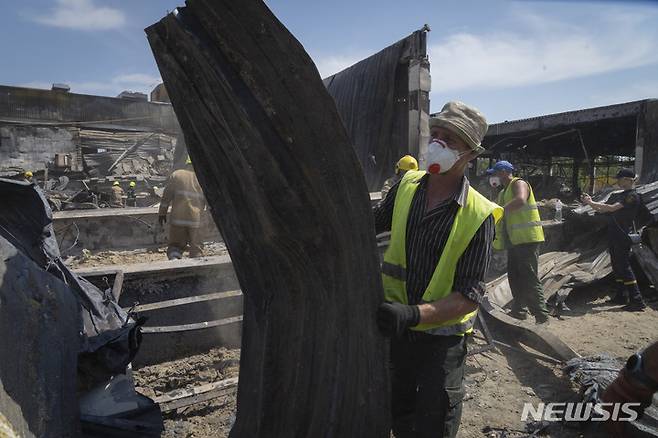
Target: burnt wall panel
372	98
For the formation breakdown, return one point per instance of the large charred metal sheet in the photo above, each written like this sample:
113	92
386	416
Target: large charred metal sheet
39	342
288	194
379	104
109	340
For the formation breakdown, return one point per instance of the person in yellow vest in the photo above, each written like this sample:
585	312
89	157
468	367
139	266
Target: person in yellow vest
401	167
521	233
442	232
184	194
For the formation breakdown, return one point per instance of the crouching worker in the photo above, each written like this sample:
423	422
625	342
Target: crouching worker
441	244
184	194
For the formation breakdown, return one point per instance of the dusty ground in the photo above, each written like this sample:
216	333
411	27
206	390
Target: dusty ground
497	382
88	258
211	419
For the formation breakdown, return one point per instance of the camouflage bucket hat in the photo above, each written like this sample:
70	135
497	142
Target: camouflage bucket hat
465	121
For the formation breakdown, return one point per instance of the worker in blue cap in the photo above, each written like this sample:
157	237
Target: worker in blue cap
521	234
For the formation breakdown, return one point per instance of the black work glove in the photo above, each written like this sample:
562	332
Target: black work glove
394	319
162	220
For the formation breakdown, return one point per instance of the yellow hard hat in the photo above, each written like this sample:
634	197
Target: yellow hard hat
116	183
406	163
132	184
28	174
188	160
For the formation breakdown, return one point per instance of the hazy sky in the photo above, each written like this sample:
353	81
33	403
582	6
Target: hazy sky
512	59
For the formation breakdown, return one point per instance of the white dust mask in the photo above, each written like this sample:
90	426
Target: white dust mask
440	158
494	181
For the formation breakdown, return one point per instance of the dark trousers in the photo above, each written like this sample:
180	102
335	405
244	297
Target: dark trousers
427	389
523	277
620	258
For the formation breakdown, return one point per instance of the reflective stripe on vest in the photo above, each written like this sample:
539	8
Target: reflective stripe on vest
455	329
520	226
467	221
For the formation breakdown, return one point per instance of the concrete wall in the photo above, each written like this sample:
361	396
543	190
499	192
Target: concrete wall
17	103
31	147
123	228
117	228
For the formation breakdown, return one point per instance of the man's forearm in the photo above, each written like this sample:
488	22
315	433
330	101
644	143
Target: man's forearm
514	205
450	307
601	207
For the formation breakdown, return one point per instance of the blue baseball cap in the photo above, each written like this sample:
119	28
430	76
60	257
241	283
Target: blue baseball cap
503	165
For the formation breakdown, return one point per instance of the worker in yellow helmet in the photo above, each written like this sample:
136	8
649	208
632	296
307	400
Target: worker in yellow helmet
403	165
28	176
116	198
131	195
184	194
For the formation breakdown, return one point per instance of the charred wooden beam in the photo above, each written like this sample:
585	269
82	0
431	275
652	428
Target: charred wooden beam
288	195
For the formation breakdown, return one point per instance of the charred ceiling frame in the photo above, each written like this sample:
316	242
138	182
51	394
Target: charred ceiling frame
628	129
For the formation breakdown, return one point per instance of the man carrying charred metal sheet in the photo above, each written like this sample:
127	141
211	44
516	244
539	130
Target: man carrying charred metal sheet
521	234
622	209
401	167
442	231
184	194
116	196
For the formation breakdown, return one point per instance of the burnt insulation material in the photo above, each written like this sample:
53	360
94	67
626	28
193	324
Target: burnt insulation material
594	374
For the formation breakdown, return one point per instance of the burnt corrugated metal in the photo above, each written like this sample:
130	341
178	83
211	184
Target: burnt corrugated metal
100	149
374	102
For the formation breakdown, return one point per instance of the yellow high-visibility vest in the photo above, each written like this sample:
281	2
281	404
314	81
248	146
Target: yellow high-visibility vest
467	221
520	226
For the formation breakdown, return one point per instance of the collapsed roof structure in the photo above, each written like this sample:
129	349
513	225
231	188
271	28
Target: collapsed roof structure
583	148
68	133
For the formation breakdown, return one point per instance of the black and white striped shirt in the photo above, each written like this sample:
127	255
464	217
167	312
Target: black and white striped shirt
426	239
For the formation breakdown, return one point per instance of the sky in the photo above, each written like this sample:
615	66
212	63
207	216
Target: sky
511	59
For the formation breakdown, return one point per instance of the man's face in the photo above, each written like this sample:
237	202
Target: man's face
453	141
625	183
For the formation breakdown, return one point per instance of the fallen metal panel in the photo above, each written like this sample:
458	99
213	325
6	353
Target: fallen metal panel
153	268
559	272
190	327
183	301
264	136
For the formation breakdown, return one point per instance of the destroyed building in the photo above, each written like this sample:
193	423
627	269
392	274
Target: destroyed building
568	153
64	137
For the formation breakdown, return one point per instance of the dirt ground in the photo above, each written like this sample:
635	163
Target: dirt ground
210	419
498	382
88	258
